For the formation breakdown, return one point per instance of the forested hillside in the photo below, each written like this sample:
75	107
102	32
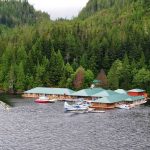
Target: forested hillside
14	13
109	34
94	6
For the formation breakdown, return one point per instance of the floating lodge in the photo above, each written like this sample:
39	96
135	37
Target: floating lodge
52	93
99	97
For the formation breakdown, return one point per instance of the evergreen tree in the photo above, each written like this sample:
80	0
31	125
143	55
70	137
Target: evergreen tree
126	77
114	74
21	55
45	74
106	61
141	63
11	79
84	61
88	78
60	66
68	71
51	69
142	79
79	78
102	78
20	78
75	64
29	82
40	70
56	68
92	63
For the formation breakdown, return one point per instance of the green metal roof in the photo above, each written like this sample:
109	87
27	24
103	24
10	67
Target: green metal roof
118	98
112	98
96	81
87	92
136	90
121	91
50	91
134	98
104	93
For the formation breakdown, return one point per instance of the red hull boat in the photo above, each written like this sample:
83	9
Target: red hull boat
42	99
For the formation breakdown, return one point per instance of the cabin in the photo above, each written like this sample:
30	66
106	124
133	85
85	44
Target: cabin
113	101
52	93
86	93
137	92
133	101
108	102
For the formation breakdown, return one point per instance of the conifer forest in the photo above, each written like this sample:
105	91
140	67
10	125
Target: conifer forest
109	41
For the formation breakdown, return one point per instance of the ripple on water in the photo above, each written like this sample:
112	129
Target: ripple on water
29	126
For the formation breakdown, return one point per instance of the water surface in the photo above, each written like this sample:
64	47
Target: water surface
32	126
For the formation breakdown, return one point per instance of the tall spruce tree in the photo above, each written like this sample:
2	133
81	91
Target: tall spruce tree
142	79
68	71
56	68
20	77
88	78
79	78
114	74
102	78
126	77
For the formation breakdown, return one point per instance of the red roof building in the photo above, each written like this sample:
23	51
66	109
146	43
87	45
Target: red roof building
137	92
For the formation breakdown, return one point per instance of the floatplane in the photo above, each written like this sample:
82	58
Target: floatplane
75	107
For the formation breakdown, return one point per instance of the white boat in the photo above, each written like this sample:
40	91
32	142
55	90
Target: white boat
52	100
123	106
75	107
44	99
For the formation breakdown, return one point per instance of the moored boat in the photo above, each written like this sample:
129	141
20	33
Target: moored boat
123	106
42	99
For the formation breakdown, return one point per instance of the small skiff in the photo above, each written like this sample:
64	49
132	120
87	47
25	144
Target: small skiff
123	106
44	99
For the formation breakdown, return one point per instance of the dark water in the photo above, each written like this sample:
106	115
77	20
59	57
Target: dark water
31	126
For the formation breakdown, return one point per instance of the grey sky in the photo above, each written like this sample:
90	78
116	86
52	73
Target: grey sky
59	8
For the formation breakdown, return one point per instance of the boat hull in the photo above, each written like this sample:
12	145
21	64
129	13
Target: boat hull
41	101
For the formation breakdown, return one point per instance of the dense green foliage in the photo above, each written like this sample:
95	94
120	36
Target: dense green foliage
109	34
14	13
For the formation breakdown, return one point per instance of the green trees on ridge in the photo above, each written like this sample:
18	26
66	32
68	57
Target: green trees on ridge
109	34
